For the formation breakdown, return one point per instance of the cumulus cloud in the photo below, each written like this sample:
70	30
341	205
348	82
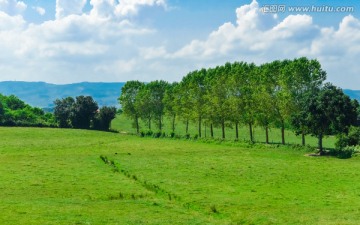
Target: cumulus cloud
103	44
12	7
66	7
41	11
131	7
261	37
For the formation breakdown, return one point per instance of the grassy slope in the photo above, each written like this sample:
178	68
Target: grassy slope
122	123
51	176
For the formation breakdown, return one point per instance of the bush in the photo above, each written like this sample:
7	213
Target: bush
142	133
149	133
157	134
352	139
346	153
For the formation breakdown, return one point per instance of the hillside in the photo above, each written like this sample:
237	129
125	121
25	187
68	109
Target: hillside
353	94
42	94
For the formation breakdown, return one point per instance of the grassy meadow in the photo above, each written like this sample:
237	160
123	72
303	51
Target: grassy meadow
63	176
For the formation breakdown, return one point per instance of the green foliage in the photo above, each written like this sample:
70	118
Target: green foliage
15	112
103	119
329	111
129	93
63	111
83	113
350	139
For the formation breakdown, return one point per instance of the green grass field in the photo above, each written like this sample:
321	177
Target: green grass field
53	176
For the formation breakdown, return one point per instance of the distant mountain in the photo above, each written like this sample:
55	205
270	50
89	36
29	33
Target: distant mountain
353	94
42	94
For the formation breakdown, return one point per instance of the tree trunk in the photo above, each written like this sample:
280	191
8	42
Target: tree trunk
199	126
137	125
187	126
303	138
237	130
283	133
160	124
149	123
211	130
251	132
173	123
320	144
267	134
223	129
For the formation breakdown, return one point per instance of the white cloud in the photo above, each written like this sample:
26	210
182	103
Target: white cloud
11	22
105	45
259	37
69	7
12	7
131	7
40	10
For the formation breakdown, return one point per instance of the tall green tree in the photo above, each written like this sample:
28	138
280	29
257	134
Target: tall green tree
171	101
329	111
218	96
194	84
307	75
129	93
157	91
244	84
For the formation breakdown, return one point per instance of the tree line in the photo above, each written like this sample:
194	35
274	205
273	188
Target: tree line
287	94
82	112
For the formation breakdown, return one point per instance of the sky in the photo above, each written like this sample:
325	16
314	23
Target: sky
69	41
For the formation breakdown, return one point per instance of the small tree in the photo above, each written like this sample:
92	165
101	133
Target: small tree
104	117
84	111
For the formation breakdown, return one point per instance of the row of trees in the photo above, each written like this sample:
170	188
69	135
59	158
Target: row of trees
284	94
15	112
83	113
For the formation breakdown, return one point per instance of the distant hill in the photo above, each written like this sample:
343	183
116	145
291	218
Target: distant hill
42	94
353	94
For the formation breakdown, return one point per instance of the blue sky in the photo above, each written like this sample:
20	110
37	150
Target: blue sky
67	41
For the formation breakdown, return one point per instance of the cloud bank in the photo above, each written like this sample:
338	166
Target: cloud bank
105	44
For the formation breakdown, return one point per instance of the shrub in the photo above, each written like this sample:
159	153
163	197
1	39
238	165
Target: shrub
352	139
157	134
149	133
346	152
